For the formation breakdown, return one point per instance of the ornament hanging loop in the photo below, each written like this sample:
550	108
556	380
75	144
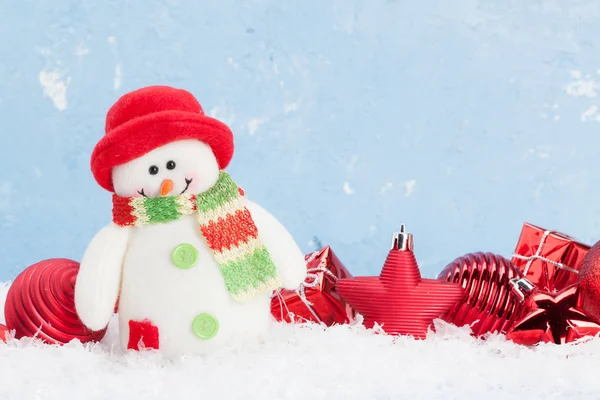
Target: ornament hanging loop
521	288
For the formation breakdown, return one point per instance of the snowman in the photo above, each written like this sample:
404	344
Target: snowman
191	260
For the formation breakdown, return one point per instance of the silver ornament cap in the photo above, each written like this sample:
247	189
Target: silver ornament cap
402	241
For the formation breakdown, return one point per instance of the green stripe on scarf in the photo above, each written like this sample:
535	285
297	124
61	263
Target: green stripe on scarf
247	271
246	267
162	209
223	191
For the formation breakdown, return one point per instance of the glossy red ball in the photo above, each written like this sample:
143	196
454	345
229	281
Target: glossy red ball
40	303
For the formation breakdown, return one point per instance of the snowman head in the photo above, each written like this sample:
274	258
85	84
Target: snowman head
158	140
181	167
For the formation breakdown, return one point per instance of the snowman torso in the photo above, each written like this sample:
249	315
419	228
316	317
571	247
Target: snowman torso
159	285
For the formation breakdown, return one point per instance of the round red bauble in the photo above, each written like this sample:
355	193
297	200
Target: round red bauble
3	333
490	305
589	283
40	303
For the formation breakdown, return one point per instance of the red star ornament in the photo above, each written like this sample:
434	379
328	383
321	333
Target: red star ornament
553	318
399	300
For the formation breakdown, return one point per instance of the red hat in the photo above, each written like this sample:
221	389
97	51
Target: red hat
148	118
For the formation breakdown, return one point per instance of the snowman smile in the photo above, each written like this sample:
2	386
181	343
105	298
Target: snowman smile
187	185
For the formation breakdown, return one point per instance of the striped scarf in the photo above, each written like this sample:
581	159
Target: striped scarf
225	223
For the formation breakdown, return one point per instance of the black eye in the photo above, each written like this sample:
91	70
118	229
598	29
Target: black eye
171	165
153	170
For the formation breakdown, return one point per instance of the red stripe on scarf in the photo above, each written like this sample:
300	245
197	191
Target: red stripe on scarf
227	233
122	211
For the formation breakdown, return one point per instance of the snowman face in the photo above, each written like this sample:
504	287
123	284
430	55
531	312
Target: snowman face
185	166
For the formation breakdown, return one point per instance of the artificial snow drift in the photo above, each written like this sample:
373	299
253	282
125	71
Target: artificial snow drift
300	362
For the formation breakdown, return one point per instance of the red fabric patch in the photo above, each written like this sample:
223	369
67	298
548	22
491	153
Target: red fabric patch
122	211
228	232
142	335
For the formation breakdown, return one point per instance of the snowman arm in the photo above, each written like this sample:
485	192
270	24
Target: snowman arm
282	247
99	277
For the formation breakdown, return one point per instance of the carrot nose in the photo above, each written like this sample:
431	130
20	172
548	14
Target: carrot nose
166	186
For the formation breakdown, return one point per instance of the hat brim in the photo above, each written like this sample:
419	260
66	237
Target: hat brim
144	134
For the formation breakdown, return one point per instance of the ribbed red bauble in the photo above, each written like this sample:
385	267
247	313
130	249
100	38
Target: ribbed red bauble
491	305
40	303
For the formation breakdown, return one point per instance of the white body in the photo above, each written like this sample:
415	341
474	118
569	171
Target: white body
135	263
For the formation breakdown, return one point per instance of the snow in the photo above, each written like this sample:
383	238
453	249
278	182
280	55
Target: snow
54	87
347	188
118	77
409	186
590	114
386	187
253	125
582	87
300	362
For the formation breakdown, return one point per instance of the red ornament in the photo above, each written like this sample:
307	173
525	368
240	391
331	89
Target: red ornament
399	299
549	260
589	283
4	331
142	335
316	300
553	318
40	304
491	304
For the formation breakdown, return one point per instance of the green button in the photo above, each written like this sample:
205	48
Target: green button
205	326
184	256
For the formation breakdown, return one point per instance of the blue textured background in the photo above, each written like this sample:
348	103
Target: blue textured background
461	118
